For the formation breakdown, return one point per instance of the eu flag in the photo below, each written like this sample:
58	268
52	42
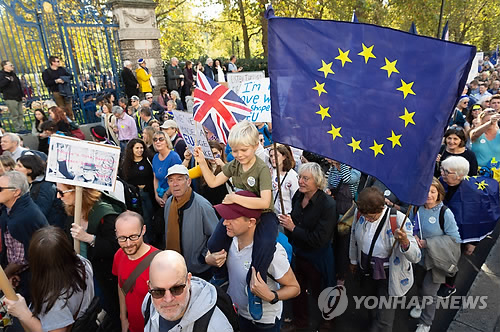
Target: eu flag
374	98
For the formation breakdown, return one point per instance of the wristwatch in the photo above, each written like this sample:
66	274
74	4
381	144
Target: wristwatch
276	299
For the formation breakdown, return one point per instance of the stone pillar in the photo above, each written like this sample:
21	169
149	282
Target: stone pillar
139	35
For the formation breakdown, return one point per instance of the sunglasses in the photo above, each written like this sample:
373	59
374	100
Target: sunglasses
6	188
446	172
158	293
132	238
160	139
62	192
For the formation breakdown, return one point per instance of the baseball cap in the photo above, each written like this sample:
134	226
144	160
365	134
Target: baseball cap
134	98
99	132
178	169
233	211
149	94
169	124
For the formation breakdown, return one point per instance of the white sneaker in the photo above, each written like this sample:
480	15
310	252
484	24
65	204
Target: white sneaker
423	328
415	312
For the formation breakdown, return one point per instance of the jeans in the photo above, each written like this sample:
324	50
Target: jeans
147	213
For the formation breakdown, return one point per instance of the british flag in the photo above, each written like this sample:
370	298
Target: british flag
217	107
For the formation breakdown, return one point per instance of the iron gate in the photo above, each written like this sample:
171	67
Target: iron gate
80	32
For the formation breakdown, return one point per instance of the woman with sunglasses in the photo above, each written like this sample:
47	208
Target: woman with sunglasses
458	118
162	161
486	140
454	145
471	120
96	234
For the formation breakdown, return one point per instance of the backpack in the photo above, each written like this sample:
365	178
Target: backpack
132	196
441	216
224	303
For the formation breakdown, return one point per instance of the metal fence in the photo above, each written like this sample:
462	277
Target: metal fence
80	32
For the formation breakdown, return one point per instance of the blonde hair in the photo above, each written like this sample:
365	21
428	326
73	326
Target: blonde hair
243	133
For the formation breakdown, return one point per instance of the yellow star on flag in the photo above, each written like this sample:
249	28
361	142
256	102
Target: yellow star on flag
367	52
406	88
355	145
335	132
494	160
377	148
394	139
320	88
326	68
323	111
481	185
408	117
390	67
343	56
467	177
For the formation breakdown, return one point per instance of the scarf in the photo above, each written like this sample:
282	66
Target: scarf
173	235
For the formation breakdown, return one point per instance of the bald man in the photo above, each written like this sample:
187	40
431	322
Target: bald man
176	299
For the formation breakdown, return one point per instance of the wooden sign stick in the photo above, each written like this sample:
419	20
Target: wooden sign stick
6	286
78	214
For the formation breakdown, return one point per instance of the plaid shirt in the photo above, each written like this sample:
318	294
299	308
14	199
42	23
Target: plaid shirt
15	250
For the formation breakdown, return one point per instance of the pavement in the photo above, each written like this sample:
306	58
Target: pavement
486	283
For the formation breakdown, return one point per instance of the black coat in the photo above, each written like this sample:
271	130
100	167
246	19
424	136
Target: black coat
209	72
174	78
10	86
50	76
130	82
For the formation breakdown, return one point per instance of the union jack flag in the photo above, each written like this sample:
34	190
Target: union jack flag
216	107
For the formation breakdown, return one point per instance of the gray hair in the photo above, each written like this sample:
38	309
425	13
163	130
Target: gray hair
117	110
316	172
17	180
144	103
209	60
127	63
457	164
13	138
174	92
173	59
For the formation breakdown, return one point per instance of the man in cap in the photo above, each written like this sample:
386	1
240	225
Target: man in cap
189	221
171	129
281	283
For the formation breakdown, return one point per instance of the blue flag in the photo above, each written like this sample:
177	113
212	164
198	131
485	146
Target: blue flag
494	57
374	98
354	18
446	33
413	29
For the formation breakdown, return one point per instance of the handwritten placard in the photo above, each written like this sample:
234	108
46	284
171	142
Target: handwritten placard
82	163
256	94
192	133
234	80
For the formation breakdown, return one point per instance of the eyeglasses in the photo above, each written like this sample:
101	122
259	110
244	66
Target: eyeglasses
158	293
5	188
132	238
63	192
149	98
160	139
446	172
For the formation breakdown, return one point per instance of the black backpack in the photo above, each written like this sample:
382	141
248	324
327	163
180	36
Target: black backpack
224	303
132	196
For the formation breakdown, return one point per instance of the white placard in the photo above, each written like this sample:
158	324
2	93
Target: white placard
192	133
257	96
234	80
82	163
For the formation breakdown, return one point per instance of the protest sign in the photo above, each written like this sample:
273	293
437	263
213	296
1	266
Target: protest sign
82	163
192	133
256	94
234	80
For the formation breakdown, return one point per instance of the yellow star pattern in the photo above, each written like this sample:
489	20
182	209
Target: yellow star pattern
326	68
367	52
343	56
355	145
494	160
406	88
481	185
408	117
377	148
335	132
390	67
320	88
467	177
394	139
323	111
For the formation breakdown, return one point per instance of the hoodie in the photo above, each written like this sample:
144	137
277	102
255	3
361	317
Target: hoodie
203	298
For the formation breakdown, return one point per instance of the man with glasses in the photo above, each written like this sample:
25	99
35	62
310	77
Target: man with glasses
125	126
177	299
57	79
131	266
13	95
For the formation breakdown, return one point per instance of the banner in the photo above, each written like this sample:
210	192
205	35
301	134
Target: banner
234	80
256	94
192	134
82	163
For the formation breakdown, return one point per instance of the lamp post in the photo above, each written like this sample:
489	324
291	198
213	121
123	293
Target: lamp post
237	42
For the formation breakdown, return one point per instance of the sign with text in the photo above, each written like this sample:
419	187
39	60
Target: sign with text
82	163
192	133
234	80
256	94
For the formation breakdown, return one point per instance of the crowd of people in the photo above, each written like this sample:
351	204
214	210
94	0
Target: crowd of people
264	227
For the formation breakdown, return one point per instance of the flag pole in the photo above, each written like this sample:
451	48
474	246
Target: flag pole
440	19
401	228
78	214
280	194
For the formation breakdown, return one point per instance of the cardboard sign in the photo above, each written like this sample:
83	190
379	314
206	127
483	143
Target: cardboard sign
234	80
82	163
192	133
257	96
